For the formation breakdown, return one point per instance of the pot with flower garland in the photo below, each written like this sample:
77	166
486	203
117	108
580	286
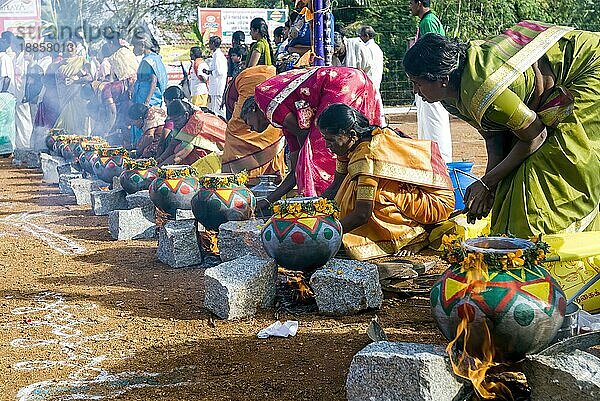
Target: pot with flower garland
72	149
109	163
303	233
61	140
138	174
174	188
222	198
89	151
52	138
498	282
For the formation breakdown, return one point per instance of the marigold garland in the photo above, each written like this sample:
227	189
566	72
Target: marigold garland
109	152
88	146
238	179
171	174
324	206
139	164
457	256
64	137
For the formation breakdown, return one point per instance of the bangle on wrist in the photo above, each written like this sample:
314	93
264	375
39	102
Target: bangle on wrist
485	185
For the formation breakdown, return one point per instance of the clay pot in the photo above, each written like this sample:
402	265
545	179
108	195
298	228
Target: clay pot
71	151
109	163
88	155
51	139
174	188
222	198
50	143
522	307
301	241
138	175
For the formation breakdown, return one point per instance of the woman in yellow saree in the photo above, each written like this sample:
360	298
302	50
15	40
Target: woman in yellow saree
256	152
388	187
534	94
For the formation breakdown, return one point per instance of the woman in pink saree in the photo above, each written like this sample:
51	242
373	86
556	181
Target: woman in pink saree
293	101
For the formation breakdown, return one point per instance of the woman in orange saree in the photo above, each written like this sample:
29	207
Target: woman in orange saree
256	152
388	187
292	101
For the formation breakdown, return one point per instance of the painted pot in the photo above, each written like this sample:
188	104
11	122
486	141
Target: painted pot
174	188
50	142
58	146
88	154
109	163
299	237
138	174
52	138
222	198
522	306
71	151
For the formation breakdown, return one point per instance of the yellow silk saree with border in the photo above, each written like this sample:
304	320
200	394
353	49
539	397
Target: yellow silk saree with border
408	183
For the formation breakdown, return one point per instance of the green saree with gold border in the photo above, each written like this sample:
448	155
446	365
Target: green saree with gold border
556	189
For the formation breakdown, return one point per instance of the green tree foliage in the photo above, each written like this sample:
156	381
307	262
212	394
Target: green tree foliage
477	20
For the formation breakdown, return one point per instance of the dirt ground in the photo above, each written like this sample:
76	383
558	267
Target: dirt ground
84	316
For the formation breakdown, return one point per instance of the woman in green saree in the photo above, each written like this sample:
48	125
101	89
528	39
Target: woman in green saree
533	93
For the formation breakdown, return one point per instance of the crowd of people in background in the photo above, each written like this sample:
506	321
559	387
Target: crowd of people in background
258	107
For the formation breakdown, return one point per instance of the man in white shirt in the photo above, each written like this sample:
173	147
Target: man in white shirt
197	78
217	80
7	70
351	53
23	120
367	35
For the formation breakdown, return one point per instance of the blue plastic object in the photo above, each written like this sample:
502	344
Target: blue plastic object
460	174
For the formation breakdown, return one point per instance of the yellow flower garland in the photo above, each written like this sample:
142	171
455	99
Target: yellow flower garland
240	178
322	206
457	256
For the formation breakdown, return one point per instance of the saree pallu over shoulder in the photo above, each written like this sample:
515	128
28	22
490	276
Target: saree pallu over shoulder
287	91
205	131
411	161
508	56
408	183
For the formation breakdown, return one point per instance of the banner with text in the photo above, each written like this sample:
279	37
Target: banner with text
223	22
20	16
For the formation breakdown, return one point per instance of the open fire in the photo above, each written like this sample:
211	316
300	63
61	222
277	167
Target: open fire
472	359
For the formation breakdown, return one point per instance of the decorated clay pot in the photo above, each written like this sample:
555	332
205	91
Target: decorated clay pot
303	233
174	188
138	174
497	282
222	198
109	163
51	140
70	151
88	154
64	146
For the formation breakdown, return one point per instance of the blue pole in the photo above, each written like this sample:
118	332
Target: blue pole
318	30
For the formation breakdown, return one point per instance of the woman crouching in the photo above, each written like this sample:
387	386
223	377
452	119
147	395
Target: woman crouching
387	186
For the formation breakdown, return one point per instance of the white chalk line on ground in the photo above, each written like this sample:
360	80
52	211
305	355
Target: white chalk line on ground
88	380
55	241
